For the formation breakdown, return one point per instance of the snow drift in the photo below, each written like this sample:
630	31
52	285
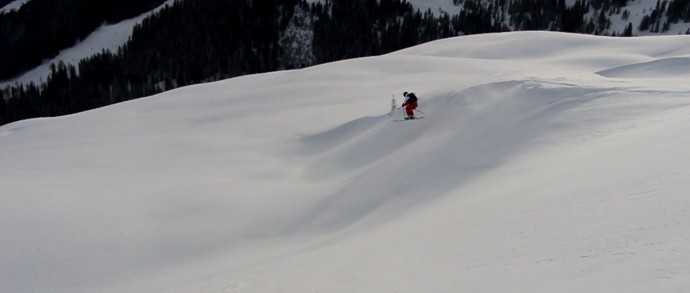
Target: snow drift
543	164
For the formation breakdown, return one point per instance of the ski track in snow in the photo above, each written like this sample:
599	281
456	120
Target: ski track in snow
555	166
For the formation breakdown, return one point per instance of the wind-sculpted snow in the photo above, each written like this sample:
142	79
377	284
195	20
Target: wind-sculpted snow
466	135
678	67
543	163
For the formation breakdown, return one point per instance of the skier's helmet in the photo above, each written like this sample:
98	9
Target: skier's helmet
405	94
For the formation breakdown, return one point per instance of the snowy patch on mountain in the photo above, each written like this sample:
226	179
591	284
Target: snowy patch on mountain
108	37
436	6
633	14
15	5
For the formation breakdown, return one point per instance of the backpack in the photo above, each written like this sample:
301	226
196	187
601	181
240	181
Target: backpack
411	98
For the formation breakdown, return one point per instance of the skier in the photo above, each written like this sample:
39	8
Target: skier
410	104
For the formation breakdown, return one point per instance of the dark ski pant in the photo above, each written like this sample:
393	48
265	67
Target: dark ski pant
409	109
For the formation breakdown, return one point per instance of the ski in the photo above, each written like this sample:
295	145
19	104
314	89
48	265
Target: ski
402	120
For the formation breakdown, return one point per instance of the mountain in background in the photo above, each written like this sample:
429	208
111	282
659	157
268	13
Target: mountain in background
194	41
4	2
40	29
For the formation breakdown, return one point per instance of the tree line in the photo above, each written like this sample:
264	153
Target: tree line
41	28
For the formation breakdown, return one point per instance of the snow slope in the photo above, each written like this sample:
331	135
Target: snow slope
14	5
546	162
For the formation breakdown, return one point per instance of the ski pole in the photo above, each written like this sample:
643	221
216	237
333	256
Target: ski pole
420	112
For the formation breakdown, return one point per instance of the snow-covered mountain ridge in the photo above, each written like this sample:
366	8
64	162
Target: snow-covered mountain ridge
555	166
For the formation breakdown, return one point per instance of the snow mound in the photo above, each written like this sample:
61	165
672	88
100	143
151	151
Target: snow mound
668	67
465	135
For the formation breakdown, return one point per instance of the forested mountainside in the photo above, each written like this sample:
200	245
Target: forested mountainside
195	41
41	28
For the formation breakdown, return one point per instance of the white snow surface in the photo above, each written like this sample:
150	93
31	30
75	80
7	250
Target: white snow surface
436	6
546	162
14	5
